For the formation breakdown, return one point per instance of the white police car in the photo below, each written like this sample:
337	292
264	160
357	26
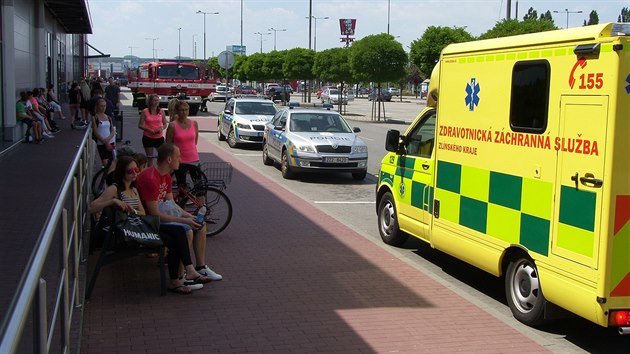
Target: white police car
304	140
243	120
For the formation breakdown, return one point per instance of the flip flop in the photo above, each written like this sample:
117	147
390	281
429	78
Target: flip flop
181	289
202	279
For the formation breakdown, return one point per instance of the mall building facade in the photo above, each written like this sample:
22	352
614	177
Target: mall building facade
42	42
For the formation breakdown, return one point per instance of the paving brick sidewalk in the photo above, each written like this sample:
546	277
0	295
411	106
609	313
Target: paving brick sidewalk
295	281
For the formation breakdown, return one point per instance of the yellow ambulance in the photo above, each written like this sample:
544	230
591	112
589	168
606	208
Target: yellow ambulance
520	165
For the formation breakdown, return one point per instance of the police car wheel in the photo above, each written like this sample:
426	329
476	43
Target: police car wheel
359	176
267	161
388	222
231	139
523	292
220	135
287	173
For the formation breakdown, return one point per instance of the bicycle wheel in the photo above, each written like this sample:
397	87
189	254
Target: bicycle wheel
98	182
218	208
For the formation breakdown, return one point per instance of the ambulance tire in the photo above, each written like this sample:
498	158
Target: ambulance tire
523	292
287	173
388	222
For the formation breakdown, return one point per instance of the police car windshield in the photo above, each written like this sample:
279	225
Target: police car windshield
246	108
317	123
175	72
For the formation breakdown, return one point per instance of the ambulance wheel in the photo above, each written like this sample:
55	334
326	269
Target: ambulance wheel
287	173
231	138
523	292
220	135
388	222
267	161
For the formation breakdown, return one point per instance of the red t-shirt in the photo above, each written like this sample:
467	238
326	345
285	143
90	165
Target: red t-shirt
152	186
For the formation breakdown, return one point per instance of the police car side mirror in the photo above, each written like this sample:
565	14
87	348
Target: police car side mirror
278	127
356	129
227	111
392	141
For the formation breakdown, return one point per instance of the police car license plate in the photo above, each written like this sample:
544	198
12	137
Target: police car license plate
329	159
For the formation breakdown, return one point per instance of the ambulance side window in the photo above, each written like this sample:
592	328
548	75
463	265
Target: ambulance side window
421	139
530	96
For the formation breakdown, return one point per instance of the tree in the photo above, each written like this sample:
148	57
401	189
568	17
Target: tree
514	27
546	16
425	52
253	67
298	64
624	16
593	19
378	58
414	77
530	15
238	70
272	66
333	65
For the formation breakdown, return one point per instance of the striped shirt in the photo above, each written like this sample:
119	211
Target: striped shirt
133	200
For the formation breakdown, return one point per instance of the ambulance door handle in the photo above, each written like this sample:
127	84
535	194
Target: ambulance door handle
589	179
574	178
425	166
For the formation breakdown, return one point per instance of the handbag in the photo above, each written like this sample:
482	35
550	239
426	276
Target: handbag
139	229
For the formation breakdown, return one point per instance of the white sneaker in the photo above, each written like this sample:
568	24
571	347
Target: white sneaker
209	273
191	284
47	135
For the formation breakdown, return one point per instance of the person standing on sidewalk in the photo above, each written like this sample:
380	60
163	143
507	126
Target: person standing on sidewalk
104	132
112	93
153	123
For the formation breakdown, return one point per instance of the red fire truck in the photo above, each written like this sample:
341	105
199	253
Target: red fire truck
171	80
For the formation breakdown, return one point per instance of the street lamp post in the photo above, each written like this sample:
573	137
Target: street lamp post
568	12
388	7
274	35
179	44
131	49
204	30
194	47
261	35
315	38
153	46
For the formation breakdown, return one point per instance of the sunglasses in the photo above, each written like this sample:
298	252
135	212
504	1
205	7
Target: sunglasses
135	170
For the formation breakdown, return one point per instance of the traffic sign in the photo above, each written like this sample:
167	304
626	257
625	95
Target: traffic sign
226	59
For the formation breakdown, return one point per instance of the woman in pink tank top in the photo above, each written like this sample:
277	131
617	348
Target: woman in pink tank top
153	123
184	133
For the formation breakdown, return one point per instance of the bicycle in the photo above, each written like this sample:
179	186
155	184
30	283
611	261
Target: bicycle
99	181
208	193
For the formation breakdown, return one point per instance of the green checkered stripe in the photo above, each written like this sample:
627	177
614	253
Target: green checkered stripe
510	208
406	170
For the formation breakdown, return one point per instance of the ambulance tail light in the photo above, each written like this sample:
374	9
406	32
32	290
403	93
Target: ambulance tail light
619	318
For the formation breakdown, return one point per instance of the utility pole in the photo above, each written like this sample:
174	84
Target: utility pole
204	30
179	44
153	46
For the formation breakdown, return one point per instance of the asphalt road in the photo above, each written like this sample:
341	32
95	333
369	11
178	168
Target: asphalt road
352	202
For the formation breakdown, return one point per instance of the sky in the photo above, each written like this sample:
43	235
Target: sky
129	27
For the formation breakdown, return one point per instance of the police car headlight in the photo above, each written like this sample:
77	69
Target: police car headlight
243	126
360	149
306	148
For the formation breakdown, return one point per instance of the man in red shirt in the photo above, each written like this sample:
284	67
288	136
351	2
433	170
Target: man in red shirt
155	186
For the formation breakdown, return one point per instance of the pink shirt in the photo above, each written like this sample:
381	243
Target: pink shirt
185	141
153	122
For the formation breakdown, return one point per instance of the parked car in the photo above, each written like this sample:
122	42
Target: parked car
385	95
246	90
277	92
363	91
393	91
243	120
222	93
312	140
321	90
334	95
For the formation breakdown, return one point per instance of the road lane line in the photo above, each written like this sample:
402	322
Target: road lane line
246	154
340	202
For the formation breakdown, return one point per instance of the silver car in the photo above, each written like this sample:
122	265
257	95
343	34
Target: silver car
314	140
243	120
333	95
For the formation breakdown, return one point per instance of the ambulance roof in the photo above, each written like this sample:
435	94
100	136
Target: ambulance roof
571	35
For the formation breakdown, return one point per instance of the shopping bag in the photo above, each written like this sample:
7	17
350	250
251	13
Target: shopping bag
139	229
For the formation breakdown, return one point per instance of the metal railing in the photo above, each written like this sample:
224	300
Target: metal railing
65	222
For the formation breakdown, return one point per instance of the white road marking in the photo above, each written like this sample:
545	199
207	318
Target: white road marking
364	138
340	202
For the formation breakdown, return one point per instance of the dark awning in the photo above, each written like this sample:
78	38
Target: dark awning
72	15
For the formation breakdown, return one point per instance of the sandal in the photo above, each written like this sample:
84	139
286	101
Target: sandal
201	279
181	289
